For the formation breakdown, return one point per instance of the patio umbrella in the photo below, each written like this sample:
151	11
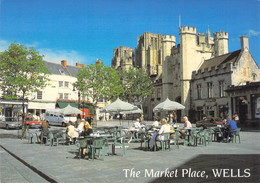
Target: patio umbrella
136	111
118	106
70	110
168	105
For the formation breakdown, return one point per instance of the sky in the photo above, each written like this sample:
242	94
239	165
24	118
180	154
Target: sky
86	30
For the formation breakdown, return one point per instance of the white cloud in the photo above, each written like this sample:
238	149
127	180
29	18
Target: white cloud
252	33
54	55
4	45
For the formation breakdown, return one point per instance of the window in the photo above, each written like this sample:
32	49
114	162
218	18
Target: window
66	84
60	83
159	93
66	96
39	94
199	91
254	76
60	95
61	71
210	90
221	89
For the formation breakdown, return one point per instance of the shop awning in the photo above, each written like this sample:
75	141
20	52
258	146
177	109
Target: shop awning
65	104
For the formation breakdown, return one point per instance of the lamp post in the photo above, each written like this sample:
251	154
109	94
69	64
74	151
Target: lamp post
79	99
74	89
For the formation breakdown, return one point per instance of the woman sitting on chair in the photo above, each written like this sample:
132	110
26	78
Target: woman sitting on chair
165	128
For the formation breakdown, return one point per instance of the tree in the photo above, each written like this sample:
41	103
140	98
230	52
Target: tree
137	84
22	71
97	81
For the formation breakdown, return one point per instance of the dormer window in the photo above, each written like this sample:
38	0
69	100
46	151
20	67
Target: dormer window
61	71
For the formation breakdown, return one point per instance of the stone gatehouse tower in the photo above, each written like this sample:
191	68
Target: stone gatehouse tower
171	65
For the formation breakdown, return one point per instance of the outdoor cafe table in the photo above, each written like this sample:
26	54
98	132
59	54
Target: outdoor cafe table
90	138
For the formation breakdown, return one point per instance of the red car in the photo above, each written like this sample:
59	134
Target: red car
209	122
33	123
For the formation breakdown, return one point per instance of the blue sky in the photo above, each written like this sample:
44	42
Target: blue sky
84	30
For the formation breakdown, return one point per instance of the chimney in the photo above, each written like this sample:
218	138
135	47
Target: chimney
244	43
80	65
64	63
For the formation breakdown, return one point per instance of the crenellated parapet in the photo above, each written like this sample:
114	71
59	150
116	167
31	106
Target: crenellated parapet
220	35
187	29
169	38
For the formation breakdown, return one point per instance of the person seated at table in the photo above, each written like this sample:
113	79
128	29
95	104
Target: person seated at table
230	129
44	130
137	124
71	132
80	126
187	123
165	128
87	130
155	123
142	122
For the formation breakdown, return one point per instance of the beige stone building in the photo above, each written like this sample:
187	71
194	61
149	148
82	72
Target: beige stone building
210	82
171	66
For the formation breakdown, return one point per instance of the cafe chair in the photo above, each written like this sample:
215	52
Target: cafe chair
165	141
208	135
49	139
235	135
144	138
59	137
31	137
98	144
120	142
201	136
82	145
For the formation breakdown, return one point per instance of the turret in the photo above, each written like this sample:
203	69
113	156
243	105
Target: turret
168	42
221	43
187	30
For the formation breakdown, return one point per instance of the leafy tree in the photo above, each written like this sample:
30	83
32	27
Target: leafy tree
137	84
97	81
22	71
113	87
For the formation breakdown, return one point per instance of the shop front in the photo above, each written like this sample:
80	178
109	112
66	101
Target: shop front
12	108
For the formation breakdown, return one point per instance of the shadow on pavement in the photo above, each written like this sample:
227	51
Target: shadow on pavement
218	168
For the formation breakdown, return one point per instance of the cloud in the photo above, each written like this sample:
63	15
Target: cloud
54	55
252	33
71	56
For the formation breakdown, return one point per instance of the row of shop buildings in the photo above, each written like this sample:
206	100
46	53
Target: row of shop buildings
57	94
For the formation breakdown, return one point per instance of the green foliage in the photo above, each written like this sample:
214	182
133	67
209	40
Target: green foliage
97	81
137	84
22	71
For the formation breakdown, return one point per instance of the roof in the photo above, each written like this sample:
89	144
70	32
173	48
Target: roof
226	58
249	85
59	69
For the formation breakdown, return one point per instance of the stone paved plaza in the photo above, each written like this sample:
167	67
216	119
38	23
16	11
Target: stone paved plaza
24	162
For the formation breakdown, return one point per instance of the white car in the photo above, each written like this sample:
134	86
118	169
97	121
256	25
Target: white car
54	117
10	123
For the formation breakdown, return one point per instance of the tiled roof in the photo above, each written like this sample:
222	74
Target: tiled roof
59	69
226	58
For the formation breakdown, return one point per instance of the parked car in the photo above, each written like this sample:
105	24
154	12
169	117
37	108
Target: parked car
10	123
32	122
55	117
209	122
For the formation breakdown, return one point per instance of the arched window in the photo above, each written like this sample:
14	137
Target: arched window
254	75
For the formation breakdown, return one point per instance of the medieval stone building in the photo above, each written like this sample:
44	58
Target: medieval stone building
173	67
